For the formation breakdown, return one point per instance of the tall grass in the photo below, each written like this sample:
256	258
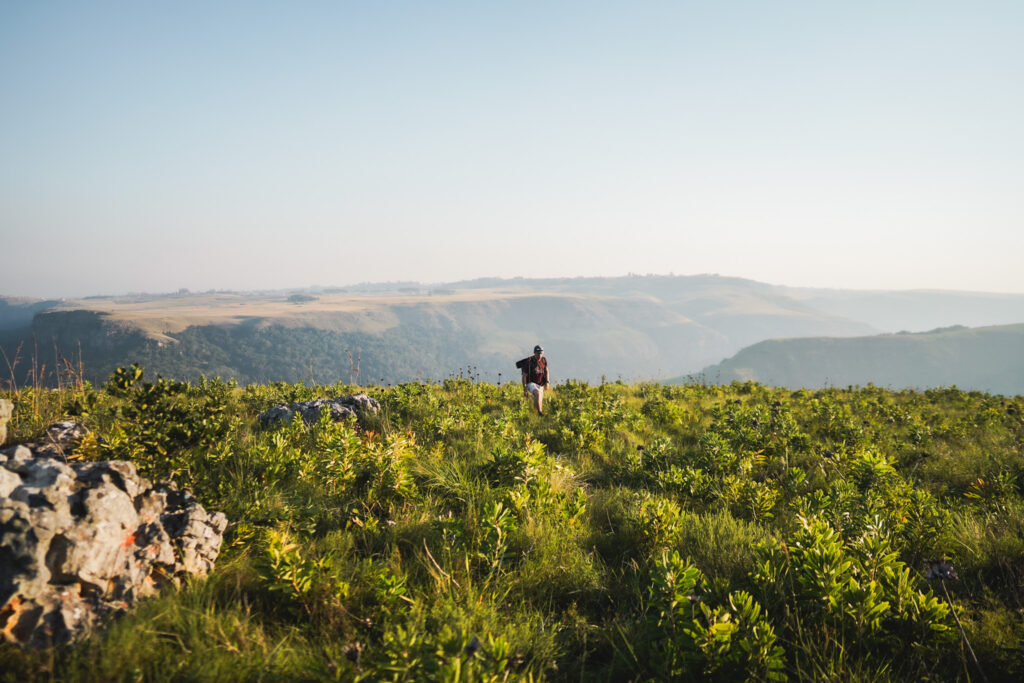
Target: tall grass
634	532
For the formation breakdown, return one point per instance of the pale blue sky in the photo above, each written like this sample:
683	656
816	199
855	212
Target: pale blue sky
149	146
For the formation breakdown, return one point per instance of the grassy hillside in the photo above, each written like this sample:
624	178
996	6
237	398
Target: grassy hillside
984	358
636	532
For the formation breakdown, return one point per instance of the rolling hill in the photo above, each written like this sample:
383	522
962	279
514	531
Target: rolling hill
983	358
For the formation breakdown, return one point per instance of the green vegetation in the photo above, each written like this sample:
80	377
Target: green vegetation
636	532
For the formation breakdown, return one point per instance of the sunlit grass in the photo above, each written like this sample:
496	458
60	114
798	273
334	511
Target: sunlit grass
458	535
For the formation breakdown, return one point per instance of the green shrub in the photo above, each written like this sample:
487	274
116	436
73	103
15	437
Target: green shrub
458	535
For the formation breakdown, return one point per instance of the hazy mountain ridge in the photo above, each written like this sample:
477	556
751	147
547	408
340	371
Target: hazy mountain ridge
18	312
634	327
915	310
983	358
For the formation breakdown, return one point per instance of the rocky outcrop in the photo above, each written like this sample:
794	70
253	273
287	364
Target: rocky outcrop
81	540
358	405
58	440
6	410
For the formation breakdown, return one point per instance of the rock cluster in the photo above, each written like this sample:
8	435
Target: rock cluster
357	404
81	540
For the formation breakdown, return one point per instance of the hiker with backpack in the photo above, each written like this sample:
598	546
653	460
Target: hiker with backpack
535	377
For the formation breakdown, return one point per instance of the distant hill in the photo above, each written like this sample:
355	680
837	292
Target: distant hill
914	310
630	328
18	312
983	358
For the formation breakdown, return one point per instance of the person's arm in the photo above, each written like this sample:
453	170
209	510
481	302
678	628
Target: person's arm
547	375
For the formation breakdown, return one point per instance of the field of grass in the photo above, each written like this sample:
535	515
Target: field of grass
635	532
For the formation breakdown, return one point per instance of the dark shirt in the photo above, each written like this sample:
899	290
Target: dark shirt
537	370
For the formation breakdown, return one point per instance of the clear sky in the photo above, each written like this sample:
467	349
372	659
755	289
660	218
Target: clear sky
148	146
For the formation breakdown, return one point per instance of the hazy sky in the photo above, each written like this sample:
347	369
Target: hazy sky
149	146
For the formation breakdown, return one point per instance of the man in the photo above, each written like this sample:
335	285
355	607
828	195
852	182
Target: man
535	377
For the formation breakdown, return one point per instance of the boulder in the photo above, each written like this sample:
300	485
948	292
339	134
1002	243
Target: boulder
6	410
59	439
357	405
81	540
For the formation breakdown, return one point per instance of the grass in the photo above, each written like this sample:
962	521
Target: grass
458	536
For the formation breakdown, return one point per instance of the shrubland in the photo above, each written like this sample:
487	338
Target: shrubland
634	532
